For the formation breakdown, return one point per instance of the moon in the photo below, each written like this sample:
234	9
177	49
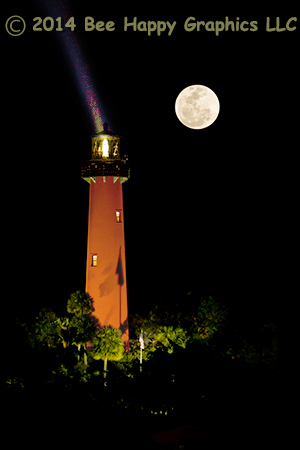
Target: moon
197	107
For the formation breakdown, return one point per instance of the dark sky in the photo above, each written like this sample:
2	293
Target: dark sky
202	209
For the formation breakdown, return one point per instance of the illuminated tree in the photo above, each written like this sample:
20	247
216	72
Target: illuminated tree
107	344
168	327
161	329
194	319
168	336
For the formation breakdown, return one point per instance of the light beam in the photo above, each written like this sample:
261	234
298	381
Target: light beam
79	68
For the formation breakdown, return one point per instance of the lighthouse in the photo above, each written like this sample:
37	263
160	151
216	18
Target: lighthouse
105	172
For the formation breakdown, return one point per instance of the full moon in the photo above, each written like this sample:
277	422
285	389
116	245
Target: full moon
197	107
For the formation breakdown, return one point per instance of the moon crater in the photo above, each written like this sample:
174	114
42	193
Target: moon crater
197	106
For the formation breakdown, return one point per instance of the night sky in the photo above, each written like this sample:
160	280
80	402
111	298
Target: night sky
203	208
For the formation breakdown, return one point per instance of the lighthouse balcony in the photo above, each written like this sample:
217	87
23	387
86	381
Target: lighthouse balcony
100	168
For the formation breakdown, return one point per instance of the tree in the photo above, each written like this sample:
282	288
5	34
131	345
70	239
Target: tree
79	304
51	330
107	344
173	326
80	326
80	332
161	329
168	336
203	319
46	330
195	318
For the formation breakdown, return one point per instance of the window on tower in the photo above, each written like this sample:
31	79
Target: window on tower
94	260
118	216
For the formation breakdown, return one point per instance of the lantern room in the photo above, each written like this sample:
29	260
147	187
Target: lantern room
105	146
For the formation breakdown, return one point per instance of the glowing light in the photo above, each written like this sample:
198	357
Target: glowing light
116	150
105	149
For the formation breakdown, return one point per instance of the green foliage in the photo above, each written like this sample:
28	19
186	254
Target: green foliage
80	330
169	337
248	353
46	330
203	319
61	371
79	304
81	368
160	333
174	335
50	330
169	327
134	354
107	344
80	327
15	382
135	324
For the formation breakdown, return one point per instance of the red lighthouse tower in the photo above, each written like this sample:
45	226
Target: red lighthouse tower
106	171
